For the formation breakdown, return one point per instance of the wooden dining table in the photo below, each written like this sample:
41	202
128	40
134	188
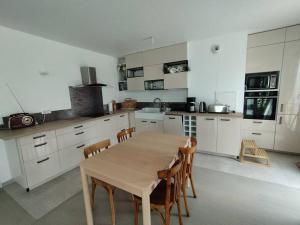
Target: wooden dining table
132	166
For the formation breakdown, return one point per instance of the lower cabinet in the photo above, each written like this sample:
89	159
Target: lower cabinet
287	137
173	124
229	137
207	131
263	139
144	125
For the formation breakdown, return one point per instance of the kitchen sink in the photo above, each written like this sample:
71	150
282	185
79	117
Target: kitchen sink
150	114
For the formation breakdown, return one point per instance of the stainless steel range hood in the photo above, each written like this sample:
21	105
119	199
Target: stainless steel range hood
89	77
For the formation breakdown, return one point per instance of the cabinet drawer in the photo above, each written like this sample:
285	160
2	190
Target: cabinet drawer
263	139
41	169
71	156
259	125
37	138
75	128
76	137
30	152
143	125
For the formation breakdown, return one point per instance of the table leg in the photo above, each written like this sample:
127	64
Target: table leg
87	198
146	209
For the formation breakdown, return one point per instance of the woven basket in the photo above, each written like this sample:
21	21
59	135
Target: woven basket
129	103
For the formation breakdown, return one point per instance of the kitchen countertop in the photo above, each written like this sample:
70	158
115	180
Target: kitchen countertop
12	134
231	115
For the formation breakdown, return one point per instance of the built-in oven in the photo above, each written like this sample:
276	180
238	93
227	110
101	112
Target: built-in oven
260	105
262	81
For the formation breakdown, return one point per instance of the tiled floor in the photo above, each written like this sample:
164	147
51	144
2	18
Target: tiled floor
282	171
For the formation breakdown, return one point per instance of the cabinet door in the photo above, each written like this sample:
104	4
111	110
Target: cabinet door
207	133
287	137
154	72
289	96
107	129
135	84
174	81
263	139
155	126
258	125
122	121
264	58
266	38
229	136
134	60
173	124
175	53
293	33
154	56
131	119
142	125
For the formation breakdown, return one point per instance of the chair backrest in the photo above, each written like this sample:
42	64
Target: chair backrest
96	148
173	176
123	135
188	156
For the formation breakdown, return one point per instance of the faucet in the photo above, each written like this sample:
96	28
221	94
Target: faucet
157	101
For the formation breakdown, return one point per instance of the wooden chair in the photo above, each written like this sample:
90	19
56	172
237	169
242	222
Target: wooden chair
123	135
165	195
187	171
90	152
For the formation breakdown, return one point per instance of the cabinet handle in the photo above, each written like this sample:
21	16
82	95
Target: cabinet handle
225	120
80	146
122	115
43	160
256	133
79	133
209	119
280	120
107	120
172	118
144	121
78	126
153	122
257	121
44	135
281	108
39	145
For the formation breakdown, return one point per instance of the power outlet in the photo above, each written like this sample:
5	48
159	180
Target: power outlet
44	112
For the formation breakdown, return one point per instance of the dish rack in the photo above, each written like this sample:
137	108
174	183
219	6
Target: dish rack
190	126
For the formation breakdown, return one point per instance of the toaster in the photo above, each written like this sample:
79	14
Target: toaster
20	120
217	108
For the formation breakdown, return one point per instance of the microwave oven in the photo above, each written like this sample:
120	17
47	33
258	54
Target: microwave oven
262	81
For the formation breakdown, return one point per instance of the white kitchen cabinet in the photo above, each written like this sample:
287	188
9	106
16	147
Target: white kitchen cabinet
263	139
175	80
229	136
258	125
287	137
154	72
207	131
134	60
175	53
293	33
136	84
266	38
264	58
107	129
122	122
131	116
154	56
146	125
289	96
173	124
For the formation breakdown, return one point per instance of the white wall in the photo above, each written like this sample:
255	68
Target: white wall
5	173
222	73
23	56
176	95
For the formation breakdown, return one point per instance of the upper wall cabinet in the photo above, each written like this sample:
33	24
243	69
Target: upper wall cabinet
134	60
154	72
266	38
135	84
153	57
264	58
175	53
293	33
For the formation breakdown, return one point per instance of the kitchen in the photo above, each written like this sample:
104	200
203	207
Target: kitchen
221	89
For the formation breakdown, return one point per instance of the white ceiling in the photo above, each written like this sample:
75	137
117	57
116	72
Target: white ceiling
117	27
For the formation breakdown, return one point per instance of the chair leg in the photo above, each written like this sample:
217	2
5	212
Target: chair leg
185	201
167	217
112	206
93	194
179	211
136	212
193	186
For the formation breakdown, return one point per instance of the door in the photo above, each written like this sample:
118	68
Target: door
207	127
289	97
229	136
173	124
264	58
135	84
287	136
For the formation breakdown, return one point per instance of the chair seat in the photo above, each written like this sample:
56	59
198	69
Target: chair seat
158	196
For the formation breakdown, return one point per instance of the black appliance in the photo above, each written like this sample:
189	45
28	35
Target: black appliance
202	107
262	81
191	104
20	120
87	100
260	105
